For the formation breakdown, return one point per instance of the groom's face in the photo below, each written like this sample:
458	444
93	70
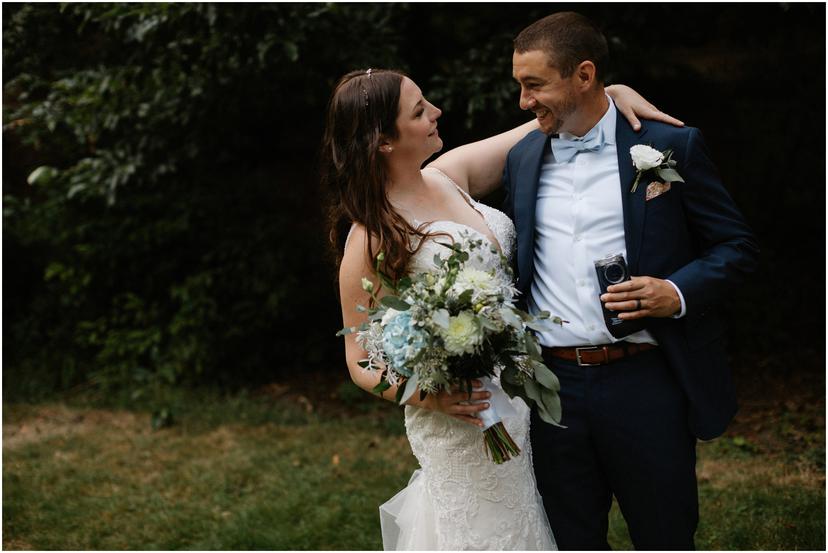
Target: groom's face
543	91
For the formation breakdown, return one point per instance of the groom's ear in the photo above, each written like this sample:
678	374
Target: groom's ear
585	75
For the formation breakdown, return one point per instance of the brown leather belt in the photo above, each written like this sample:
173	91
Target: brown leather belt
590	356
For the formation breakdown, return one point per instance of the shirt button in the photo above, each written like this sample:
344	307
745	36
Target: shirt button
577	237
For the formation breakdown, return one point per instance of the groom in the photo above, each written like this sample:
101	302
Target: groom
633	408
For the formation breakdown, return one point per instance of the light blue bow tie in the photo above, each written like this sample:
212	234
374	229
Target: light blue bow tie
565	148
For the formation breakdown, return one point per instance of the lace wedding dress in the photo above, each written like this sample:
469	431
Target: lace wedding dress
459	499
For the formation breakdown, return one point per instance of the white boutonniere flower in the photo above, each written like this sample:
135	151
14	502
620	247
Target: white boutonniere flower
645	159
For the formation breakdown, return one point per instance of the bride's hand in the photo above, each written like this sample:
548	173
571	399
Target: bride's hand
631	104
458	404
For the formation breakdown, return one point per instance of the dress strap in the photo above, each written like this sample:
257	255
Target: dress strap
448	178
348	239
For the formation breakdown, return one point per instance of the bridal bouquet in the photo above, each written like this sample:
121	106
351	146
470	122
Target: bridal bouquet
443	328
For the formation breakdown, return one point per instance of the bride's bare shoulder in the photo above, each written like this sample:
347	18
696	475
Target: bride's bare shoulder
356	242
444	175
355	263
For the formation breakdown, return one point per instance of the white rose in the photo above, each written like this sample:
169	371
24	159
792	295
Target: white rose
645	157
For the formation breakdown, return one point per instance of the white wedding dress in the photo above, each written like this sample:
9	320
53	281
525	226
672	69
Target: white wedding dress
459	499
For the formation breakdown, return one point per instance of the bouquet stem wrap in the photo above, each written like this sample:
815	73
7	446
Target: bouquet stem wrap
499	445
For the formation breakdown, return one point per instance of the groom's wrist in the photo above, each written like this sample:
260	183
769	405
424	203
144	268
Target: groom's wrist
682	309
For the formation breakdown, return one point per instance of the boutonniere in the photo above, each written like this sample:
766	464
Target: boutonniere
645	159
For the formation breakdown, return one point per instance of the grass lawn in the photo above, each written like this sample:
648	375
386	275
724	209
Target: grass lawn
284	469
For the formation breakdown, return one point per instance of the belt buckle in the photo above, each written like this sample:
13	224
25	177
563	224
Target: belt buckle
578	356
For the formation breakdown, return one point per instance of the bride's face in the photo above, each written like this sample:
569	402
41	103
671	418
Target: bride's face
416	125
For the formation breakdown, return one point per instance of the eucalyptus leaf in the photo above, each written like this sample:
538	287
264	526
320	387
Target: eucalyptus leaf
540	326
347	330
532	389
410	388
394	303
532	347
551	402
545	377
548	415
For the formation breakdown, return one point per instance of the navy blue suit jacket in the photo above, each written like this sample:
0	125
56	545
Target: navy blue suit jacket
692	235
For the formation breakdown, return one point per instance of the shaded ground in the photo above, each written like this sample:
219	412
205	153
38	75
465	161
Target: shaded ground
780	411
303	465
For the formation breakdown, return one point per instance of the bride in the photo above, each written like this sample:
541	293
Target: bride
380	131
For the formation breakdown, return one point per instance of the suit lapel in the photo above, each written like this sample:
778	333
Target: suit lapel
526	197
626	138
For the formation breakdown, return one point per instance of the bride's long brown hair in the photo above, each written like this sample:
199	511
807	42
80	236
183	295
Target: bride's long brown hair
362	113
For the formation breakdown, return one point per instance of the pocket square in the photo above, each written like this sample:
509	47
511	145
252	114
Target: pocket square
656	189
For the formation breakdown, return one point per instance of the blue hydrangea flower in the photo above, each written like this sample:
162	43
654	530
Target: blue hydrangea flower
402	341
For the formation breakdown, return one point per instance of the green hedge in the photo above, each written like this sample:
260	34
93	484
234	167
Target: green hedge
162	223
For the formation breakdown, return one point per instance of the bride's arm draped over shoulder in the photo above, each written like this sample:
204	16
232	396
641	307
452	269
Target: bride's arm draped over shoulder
356	265
478	166
631	104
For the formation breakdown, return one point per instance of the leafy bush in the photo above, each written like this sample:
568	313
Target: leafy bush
161	216
156	242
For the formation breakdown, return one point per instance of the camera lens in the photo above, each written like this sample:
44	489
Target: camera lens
614	273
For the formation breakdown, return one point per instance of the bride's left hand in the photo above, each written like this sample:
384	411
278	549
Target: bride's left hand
459	404
631	104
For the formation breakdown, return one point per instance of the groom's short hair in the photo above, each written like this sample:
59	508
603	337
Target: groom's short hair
567	38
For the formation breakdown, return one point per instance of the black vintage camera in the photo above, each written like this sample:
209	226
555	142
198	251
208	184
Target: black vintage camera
613	270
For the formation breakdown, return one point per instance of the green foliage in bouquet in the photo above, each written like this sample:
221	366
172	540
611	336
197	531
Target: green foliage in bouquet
446	327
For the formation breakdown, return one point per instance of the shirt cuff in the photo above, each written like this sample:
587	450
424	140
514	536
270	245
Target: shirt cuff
683	311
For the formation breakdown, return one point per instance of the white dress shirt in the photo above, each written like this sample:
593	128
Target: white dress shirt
579	219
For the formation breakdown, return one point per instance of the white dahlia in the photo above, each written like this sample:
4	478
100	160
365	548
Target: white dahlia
463	334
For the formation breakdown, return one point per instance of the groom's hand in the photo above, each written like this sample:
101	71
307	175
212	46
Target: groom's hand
642	297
